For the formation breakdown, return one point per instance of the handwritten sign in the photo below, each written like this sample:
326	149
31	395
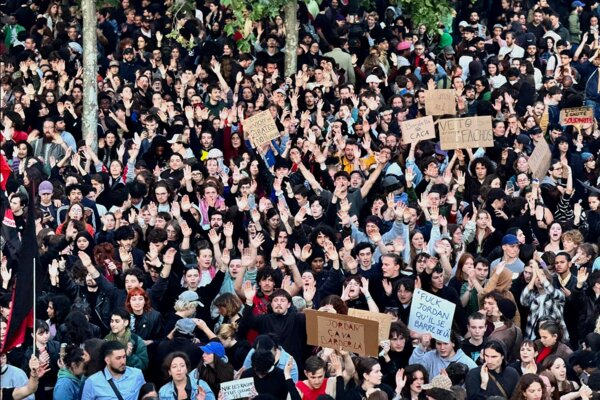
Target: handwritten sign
431	314
384	320
440	102
238	389
261	128
342	331
417	129
471	132
576	116
540	160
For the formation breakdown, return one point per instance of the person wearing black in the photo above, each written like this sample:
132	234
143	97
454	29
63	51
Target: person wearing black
288	325
494	378
269	380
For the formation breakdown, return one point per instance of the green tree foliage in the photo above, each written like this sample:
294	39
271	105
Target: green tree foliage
426	12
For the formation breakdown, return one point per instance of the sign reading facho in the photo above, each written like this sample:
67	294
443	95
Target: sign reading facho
417	129
470	132
576	116
342	331
261	128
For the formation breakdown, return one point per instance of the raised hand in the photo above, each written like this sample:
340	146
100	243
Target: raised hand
309	292
400	380
169	257
387	287
306	252
214	237
249	291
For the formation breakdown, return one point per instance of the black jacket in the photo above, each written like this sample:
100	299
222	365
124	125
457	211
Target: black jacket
149	325
508	379
106	298
289	328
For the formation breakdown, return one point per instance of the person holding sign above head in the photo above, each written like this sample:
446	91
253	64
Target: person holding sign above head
181	386
441	356
494	378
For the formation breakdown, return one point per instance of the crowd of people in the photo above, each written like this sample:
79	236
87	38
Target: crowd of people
182	253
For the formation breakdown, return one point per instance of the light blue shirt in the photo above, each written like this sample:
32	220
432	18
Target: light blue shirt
129	384
69	140
13	377
168	392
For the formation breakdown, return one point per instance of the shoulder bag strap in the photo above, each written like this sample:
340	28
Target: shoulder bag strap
114	388
493	379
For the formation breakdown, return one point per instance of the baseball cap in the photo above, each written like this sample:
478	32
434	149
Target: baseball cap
439	151
215	153
584	156
577	4
510	240
189	296
176	139
463	24
114	63
185	326
215	348
341	174
45	188
440	382
449	50
403	46
373	79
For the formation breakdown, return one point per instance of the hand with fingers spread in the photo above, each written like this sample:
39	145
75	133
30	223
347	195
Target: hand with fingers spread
309	292
387	287
400	380
214	237
257	241
306	252
249	292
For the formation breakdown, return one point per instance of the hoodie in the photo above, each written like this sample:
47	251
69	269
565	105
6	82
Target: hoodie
68	386
434	363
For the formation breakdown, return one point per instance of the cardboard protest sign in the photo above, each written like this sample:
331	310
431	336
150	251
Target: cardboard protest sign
384	320
470	132
238	389
431	314
261	128
342	331
440	102
540	160
576	116
417	129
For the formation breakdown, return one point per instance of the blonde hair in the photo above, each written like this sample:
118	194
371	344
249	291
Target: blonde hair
573	235
227	331
183	305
